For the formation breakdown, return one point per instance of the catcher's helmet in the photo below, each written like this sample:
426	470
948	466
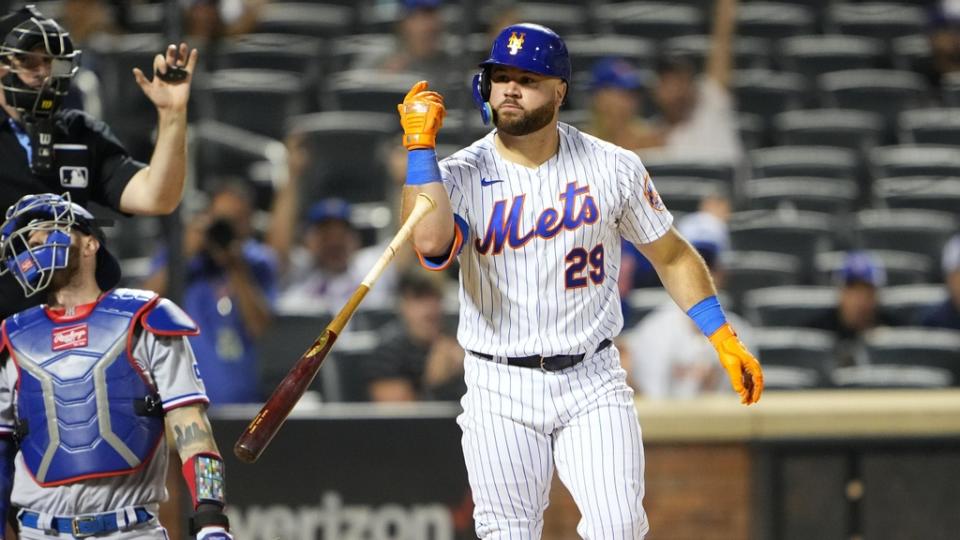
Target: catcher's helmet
527	46
27	35
33	266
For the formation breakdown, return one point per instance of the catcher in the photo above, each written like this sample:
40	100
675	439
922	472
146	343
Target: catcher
88	383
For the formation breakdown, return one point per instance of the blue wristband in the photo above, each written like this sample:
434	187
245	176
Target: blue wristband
708	315
422	167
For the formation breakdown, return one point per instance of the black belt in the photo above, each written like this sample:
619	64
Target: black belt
546	363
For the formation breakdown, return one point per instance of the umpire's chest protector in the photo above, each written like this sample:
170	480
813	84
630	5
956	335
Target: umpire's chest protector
80	394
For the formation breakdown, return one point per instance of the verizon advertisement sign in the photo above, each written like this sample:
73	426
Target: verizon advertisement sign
349	473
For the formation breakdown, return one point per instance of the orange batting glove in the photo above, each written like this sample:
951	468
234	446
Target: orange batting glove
421	115
744	371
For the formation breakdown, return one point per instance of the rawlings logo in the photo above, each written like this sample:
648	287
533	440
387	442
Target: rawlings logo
70	337
26	265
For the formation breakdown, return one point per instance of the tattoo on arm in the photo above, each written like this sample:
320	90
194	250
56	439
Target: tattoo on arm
187	435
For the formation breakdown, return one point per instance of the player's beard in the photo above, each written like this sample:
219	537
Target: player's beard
528	122
63	276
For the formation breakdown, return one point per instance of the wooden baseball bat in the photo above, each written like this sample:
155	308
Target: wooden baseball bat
268	421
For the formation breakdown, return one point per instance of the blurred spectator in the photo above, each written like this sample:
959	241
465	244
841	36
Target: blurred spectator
230	291
666	355
636	271
944	38
419	47
85	19
857	310
696	115
616	105
208	22
322	274
418	360
947	313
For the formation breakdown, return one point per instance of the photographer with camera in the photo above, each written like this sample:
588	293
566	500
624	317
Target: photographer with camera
230	291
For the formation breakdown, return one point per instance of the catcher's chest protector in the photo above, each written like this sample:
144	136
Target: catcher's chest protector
80	396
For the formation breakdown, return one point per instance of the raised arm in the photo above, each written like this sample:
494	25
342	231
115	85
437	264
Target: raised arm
720	59
686	278
158	188
421	115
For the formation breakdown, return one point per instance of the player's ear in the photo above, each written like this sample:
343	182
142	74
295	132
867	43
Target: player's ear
562	90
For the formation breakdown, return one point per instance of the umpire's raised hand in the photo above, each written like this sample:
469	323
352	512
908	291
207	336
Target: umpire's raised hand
169	90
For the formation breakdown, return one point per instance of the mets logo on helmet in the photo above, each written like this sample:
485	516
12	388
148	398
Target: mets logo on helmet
515	43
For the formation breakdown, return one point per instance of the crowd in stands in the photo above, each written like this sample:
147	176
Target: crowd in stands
810	151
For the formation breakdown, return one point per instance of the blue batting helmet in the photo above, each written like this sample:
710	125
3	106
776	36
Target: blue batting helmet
527	46
33	265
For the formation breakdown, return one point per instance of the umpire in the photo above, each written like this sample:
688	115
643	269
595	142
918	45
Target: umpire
44	148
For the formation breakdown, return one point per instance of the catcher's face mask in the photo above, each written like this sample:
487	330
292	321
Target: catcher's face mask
35	241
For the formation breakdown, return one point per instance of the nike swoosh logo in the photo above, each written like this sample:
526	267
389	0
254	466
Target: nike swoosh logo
488	182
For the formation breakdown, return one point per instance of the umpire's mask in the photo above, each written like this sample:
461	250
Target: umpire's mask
42	62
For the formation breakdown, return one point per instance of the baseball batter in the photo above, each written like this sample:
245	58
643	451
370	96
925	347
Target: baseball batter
535	212
88	384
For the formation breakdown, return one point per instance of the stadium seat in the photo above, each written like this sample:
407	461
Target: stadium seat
797	347
790	378
846	128
911	53
901	268
683	194
463	127
927	347
659	166
883	91
220	150
773	20
748	52
745	271
877	377
347	364
642	302
908	302
383	17
828	195
369	90
653	20
951	89
258	100
144	18
818	161
878	20
914	160
930	126
341	145
914	231
284	52
282	344
766	92
752	129
342	53
922	192
792	232
365	319
817	54
587	49
305	18
564	18
789	305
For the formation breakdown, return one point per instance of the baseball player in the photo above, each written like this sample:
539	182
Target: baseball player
535	211
88	383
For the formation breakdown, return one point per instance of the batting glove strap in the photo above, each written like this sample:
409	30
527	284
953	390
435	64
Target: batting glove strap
209	519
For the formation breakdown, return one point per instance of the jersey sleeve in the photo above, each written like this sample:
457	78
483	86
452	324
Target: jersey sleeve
643	217
114	167
173	366
461	231
8	378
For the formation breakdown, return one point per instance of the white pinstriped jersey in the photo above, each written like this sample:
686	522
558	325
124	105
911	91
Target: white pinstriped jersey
539	266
